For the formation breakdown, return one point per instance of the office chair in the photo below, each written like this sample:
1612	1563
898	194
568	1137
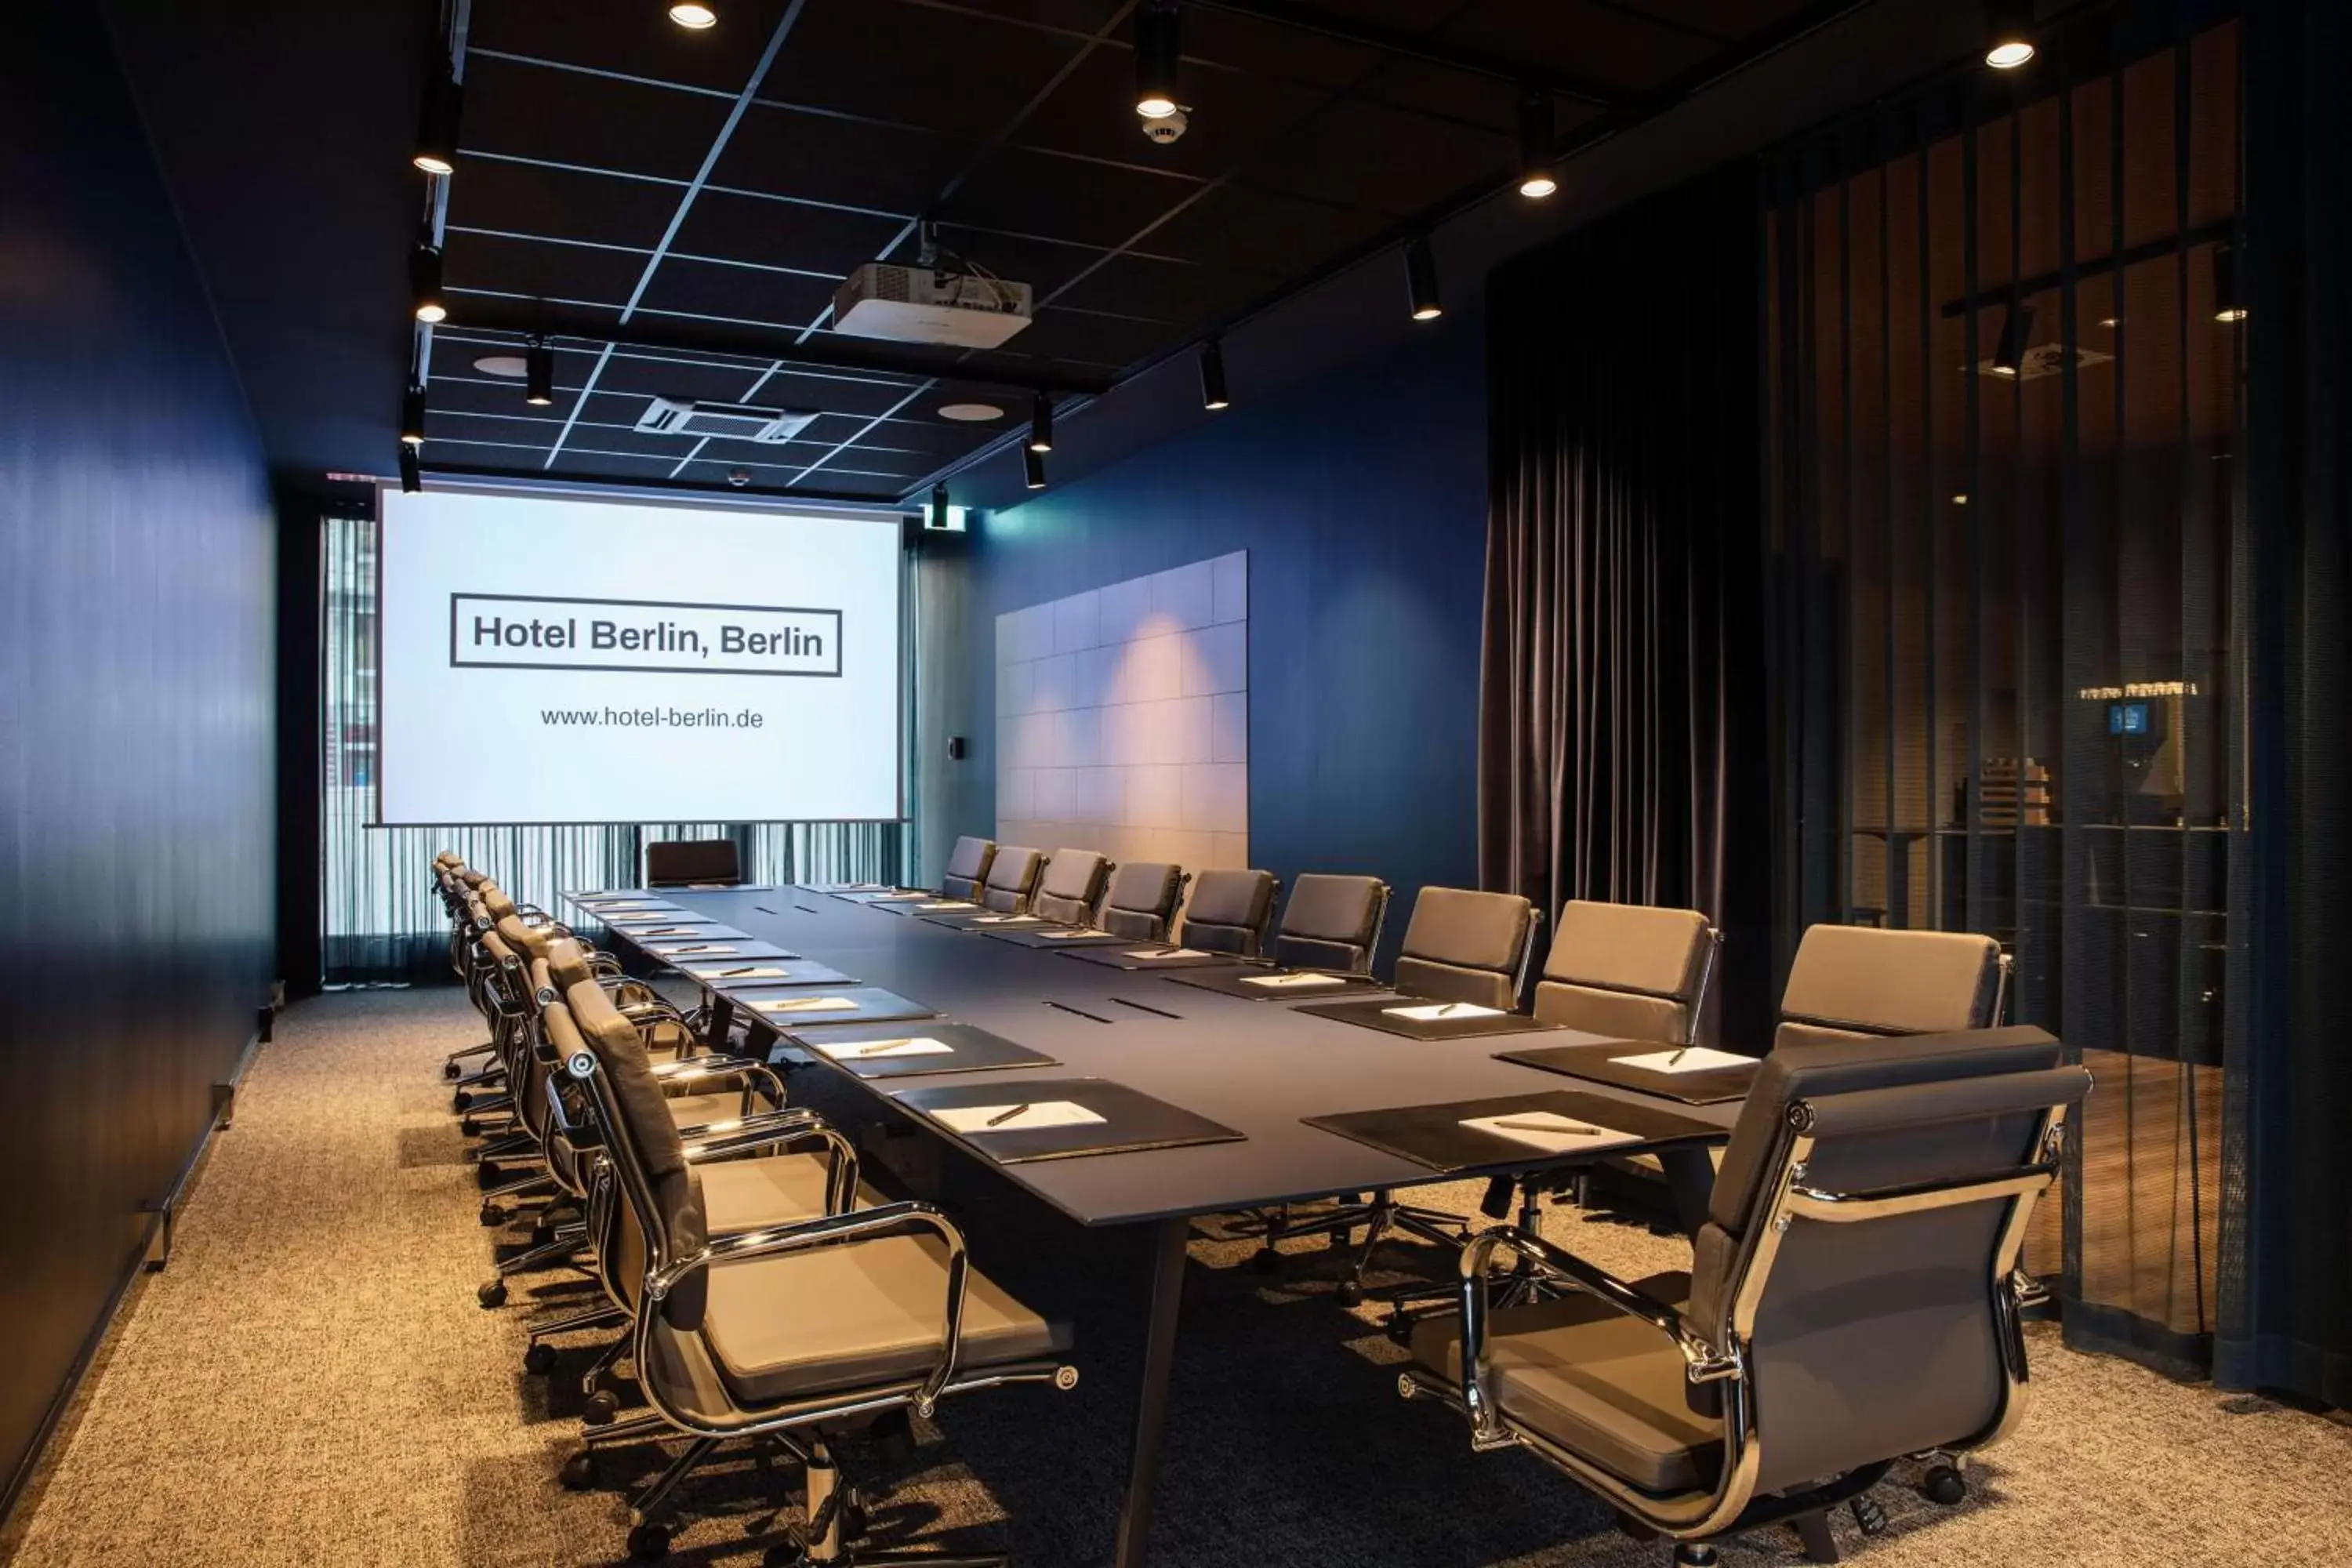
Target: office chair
1331	923
1012	880
1459	946
673	862
1630	972
797	1333
967	868
1853	1299
1849	982
1231	911
1072	883
1140	902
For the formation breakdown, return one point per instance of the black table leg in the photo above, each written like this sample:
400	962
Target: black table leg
719	1029
1151	1399
1690	1177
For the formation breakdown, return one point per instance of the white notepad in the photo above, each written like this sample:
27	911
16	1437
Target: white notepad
1071	935
1292	982
698	949
1008	921
640	909
635	930
1431	1012
1547	1131
1698	1058
741	972
1036	1118
862	1050
806	1005
946	904
1165	953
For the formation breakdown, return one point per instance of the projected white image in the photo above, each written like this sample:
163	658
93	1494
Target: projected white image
558	659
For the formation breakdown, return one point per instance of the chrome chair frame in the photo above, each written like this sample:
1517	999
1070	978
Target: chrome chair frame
1732	1504
786	1422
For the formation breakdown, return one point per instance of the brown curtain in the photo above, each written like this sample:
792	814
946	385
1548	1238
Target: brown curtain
1622	690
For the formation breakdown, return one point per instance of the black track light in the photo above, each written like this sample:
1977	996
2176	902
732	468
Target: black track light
938	506
539	389
1032	469
412	417
2009	357
1536	178
1212	377
2229	305
2008	34
412	474
1041	425
1420	280
425	283
436	128
1158	42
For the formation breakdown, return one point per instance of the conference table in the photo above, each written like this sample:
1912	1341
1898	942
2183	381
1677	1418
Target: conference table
1259	1069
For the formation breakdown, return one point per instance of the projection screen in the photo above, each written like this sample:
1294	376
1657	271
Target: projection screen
559	659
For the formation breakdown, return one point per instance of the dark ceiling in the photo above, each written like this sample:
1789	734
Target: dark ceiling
620	173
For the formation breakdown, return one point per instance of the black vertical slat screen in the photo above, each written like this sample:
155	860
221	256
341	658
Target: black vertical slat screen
378	916
2007	657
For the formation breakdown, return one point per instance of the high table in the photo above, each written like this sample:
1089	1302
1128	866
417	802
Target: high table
1259	1068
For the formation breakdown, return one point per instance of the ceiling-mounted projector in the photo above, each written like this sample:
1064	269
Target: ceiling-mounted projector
928	305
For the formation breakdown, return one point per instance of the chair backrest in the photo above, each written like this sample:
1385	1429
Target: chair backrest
1331	923
662	1190
1627	971
968	868
1012	879
1859	981
1072	882
674	861
1142	899
1466	946
1870	1206
1230	911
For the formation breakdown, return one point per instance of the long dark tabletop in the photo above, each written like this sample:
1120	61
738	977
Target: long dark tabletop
1257	1067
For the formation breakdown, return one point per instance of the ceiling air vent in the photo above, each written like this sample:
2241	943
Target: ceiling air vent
730	421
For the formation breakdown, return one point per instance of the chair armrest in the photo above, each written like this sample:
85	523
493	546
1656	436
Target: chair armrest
863	1225
780	1128
698	1069
1702	1363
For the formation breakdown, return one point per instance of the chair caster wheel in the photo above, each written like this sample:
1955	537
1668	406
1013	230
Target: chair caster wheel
1868	1515
1943	1484
492	1215
1266	1260
493	1294
470	1128
602	1406
540	1360
449	1069
542	1234
486	1176
648	1543
1350	1294
854	1522
579	1471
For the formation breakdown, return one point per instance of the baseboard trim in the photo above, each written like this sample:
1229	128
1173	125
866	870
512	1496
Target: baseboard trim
141	1262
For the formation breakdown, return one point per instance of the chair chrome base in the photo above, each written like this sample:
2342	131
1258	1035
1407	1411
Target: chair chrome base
1378	1217
835	1513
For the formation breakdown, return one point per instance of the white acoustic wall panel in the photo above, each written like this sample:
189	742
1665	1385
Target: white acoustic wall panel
1122	718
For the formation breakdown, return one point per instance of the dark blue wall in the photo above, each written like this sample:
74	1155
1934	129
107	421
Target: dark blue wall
136	652
1361	500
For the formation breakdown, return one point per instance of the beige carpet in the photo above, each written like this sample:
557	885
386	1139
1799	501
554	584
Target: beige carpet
312	1381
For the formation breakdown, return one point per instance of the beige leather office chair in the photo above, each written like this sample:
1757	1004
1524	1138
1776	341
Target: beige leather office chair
1459	946
1859	981
1854	1298
1229	912
1331	923
1628	970
673	862
967	867
1012	880
796	1333
1070	886
1140	902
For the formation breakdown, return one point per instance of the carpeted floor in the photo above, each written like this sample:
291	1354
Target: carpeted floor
312	1381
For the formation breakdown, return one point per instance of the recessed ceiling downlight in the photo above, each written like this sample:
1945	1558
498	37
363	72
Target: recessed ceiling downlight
511	367
695	16
971	413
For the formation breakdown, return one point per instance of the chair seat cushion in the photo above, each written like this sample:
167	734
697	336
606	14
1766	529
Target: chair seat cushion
845	1317
777	1189
1596	1381
702	1110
